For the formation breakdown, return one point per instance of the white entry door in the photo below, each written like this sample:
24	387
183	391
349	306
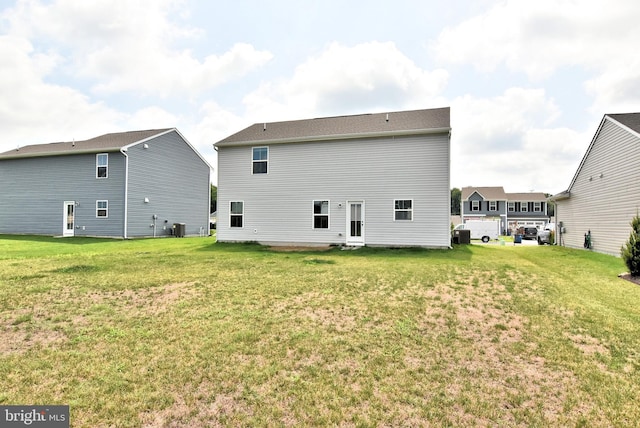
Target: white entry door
355	223
69	219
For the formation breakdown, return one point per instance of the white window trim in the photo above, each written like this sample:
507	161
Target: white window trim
494	204
524	207
231	214
537	207
106	209
396	210
100	166
475	204
265	160
511	207
313	214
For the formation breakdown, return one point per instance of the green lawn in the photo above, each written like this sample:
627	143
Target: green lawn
187	333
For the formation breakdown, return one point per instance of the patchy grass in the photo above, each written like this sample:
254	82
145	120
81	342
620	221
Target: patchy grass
187	332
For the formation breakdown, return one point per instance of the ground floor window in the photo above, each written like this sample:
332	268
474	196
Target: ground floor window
236	213
102	208
403	209
321	214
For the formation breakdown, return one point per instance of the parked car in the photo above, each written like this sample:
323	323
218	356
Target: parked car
528	232
544	236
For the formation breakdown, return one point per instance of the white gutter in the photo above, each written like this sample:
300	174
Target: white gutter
126	190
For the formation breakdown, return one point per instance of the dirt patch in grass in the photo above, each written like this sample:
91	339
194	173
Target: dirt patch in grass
145	301
19	340
298	248
43	325
588	345
628	277
477	311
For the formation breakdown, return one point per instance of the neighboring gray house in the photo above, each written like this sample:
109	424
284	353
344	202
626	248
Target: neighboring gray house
372	179
603	195
125	185
512	209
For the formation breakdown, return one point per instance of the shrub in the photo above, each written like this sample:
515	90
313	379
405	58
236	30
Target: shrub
631	251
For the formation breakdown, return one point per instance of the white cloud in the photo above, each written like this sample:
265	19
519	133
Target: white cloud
152	118
31	108
131	46
512	135
40	112
618	89
215	123
365	77
539	37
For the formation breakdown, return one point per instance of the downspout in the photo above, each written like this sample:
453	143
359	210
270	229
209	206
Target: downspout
126	191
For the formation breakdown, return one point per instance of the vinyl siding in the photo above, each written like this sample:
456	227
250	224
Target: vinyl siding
278	205
175	180
604	205
35	189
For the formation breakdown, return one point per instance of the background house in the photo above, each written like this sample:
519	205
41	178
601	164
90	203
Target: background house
372	179
513	210
603	195
129	184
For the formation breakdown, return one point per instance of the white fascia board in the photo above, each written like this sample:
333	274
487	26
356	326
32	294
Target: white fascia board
338	137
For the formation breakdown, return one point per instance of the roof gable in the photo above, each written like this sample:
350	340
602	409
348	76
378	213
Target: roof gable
355	126
627	121
102	143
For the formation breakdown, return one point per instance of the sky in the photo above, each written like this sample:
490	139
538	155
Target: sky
528	82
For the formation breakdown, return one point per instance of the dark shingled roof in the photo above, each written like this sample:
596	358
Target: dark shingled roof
356	126
630	120
530	197
488	193
498	194
103	143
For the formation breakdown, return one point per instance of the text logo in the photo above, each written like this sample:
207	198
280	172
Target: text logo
34	416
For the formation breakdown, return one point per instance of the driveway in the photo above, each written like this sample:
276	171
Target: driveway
497	242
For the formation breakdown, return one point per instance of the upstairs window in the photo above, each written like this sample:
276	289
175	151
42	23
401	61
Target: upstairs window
523	207
403	209
321	214
475	205
511	207
236	214
537	207
493	205
260	160
102	165
102	208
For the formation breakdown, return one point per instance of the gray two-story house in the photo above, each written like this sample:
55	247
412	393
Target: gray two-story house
124	185
373	179
511	209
